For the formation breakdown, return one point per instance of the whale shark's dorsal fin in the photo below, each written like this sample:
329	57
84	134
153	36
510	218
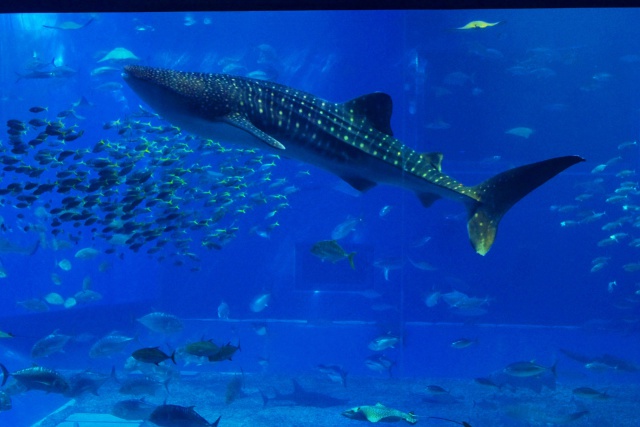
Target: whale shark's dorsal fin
434	159
376	107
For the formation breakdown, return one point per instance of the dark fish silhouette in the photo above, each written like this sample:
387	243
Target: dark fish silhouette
69	25
38	378
606	361
133	409
153	355
301	397
88	382
55	72
179	416
8	247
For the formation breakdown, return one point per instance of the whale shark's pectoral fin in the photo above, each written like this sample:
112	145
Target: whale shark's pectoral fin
427	199
376	107
242	122
358	182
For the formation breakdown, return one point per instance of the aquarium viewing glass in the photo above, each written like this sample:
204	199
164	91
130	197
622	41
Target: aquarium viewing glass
288	217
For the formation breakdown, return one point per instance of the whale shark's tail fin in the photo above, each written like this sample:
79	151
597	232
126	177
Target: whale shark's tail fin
499	193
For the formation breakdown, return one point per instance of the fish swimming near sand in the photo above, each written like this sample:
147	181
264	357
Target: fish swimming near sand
335	373
162	323
604	362
302	397
88	382
179	416
353	140
38	378
379	413
50	344
133	409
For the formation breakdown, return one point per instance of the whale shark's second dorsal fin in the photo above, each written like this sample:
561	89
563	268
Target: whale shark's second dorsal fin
376	107
433	159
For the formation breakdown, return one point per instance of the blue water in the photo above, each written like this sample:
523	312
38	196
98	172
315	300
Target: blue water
570	76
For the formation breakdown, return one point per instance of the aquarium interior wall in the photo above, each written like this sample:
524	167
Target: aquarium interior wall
222	237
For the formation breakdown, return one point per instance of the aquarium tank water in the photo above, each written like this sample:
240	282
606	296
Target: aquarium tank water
320	217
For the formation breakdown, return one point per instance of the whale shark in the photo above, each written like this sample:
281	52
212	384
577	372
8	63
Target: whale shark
353	140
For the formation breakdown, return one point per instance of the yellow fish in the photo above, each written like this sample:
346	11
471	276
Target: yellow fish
479	24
